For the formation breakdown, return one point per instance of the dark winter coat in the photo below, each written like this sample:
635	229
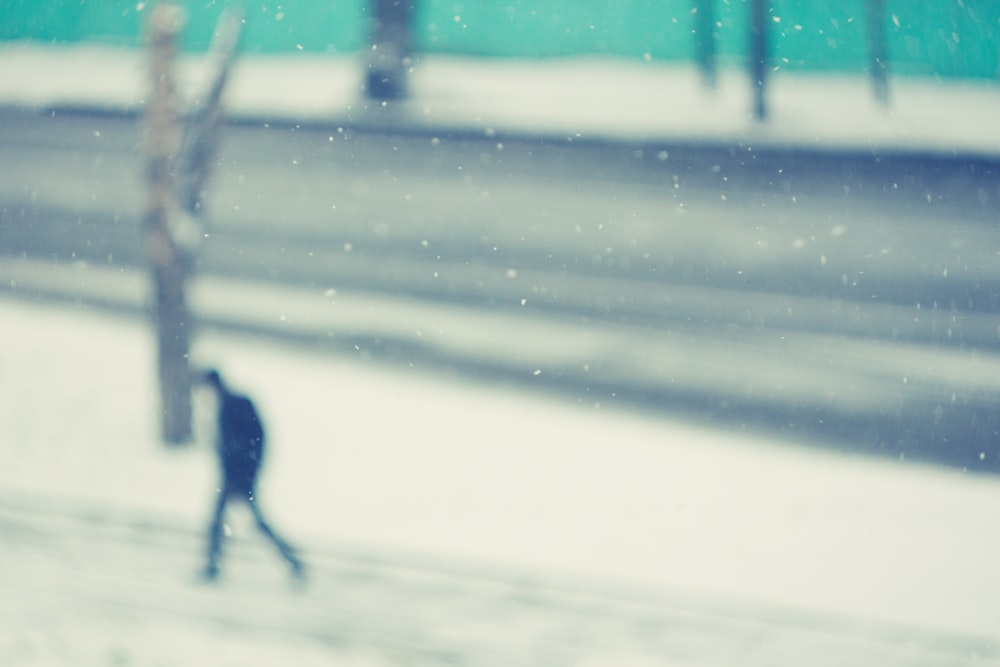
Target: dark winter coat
241	442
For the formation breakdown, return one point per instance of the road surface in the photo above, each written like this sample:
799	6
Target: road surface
848	299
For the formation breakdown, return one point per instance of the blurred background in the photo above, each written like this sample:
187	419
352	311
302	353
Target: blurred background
644	329
947	39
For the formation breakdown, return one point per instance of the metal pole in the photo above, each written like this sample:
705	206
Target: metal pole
704	28
389	59
758	56
878	57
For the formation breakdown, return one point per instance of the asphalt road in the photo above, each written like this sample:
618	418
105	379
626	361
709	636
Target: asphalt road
761	268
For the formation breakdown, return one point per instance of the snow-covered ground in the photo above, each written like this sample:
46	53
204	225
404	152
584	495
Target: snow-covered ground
372	460
394	462
563	98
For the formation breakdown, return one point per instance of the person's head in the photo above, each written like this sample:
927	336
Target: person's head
212	378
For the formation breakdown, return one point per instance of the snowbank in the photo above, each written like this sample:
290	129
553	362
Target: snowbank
602	98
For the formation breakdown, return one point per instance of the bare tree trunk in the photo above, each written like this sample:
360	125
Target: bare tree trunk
167	262
202	140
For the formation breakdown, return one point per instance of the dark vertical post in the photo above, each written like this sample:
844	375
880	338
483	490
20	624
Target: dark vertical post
391	48
166	262
878	57
758	56
704	29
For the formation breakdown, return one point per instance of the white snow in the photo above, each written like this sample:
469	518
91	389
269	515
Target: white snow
399	462
568	98
368	456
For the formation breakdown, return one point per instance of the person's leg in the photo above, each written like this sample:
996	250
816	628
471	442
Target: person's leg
215	534
286	549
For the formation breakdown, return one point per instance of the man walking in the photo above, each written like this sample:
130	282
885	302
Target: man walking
240	447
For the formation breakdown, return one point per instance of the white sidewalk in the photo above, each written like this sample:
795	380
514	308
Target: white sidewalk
592	98
473	473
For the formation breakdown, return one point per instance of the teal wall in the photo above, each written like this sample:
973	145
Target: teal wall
949	38
309	25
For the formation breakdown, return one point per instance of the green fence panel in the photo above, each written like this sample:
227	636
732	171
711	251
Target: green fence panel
948	38
40	19
551	28
831	39
298	25
306	25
